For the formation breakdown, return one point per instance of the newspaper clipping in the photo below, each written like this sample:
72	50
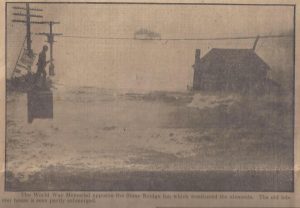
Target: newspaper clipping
158	104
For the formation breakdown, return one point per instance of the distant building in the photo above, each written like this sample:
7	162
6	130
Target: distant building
145	34
231	70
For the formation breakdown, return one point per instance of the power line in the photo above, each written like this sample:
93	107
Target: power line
95	37
177	39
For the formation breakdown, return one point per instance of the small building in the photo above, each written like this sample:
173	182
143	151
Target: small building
230	70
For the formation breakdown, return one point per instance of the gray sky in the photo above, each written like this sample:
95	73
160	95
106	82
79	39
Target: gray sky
150	64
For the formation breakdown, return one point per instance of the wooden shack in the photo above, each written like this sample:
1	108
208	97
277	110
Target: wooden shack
229	70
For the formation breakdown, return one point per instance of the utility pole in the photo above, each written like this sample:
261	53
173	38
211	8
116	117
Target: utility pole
28	23
28	31
50	39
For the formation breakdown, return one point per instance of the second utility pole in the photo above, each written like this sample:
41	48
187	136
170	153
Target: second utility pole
50	40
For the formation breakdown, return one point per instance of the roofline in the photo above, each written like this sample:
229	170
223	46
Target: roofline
244	49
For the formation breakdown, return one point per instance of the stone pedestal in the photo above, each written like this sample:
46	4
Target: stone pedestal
40	104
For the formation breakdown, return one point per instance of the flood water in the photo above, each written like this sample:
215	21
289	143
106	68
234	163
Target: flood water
97	133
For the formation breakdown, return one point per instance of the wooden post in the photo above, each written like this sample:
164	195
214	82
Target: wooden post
28	30
28	23
50	40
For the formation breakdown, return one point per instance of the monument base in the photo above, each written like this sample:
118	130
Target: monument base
40	104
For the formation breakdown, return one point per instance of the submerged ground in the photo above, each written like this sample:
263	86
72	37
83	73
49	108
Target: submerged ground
169	141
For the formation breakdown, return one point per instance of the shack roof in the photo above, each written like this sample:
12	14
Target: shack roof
245	60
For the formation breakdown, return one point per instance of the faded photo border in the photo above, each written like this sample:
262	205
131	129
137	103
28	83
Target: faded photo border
257	197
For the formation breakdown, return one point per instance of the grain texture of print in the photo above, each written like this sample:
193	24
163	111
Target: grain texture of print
146	97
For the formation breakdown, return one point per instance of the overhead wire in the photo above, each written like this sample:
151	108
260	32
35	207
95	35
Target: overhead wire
176	39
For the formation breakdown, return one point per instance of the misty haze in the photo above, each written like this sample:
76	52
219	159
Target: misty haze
152	98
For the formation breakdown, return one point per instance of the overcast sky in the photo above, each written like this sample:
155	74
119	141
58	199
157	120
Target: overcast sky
150	64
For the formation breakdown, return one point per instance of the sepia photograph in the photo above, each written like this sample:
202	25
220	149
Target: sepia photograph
149	97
